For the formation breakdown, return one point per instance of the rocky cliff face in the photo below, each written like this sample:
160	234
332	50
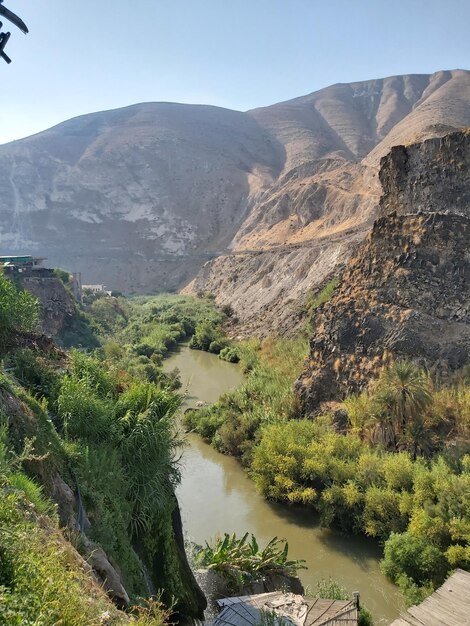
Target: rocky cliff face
57	305
405	294
141	198
430	176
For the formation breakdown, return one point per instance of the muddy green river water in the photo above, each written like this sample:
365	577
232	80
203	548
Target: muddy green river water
216	496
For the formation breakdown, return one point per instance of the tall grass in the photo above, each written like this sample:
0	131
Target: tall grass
44	581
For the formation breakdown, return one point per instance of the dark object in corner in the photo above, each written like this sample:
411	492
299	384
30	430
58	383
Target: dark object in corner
4	37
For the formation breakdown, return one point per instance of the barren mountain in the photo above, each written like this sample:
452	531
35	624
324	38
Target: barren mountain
140	198
326	197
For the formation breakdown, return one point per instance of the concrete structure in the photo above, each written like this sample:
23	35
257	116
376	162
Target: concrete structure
19	262
97	289
286	609
447	606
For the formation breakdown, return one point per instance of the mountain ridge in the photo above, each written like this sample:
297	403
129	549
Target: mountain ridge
141	197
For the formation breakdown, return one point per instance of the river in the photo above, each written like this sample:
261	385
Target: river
216	496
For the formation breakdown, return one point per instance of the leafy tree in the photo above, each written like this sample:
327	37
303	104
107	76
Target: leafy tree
204	335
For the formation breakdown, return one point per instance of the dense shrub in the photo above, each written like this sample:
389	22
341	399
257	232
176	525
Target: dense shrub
18	311
36	372
241	561
83	413
205	334
414	557
229	354
217	346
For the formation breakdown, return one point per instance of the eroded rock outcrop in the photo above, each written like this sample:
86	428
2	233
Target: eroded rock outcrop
405	294
430	176
56	305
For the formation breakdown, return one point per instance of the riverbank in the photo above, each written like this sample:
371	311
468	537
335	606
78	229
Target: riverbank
216	496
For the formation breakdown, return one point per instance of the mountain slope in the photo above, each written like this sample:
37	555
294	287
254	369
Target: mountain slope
123	195
140	198
314	215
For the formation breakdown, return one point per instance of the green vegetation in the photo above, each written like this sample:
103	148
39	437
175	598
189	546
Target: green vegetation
104	422
137	333
106	428
229	354
78	332
62	275
42	578
233	425
271	618
389	477
18	312
318	298
241	561
401	472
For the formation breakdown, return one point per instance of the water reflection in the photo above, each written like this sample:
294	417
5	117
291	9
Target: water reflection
216	496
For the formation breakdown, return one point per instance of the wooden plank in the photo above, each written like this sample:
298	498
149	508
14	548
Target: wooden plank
347	617
249	599
447	606
438	614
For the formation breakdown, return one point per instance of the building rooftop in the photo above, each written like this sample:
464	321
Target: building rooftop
288	609
21	258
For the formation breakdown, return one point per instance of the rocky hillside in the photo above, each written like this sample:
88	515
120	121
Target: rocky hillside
327	195
143	197
405	294
56	304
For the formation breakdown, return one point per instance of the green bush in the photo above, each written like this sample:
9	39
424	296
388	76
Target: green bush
19	311
89	368
62	275
233	423
37	373
33	492
241	561
205	334
84	414
217	346
415	558
229	354
41	579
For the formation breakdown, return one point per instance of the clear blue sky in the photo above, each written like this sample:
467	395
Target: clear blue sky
90	55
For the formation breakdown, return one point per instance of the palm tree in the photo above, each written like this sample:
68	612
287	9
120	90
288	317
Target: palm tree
403	395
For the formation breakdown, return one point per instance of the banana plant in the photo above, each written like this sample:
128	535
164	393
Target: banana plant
239	558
